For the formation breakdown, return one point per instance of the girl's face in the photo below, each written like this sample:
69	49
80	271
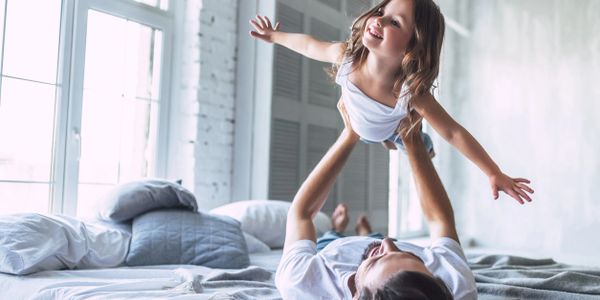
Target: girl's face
388	32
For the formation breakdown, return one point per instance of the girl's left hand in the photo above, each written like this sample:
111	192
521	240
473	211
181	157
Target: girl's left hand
514	187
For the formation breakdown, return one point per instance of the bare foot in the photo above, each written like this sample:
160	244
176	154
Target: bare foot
363	227
339	218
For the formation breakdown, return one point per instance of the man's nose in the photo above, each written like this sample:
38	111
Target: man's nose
388	245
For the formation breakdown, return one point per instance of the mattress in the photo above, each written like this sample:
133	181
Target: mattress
161	281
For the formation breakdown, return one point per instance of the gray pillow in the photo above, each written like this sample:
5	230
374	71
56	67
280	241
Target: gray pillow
132	199
170	236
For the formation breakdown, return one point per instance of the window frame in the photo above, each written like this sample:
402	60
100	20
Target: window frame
69	97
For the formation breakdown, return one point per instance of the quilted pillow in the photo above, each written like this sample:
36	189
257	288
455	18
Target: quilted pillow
132	199
171	236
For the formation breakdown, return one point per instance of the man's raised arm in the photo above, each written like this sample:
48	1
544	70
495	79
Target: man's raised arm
432	195
313	193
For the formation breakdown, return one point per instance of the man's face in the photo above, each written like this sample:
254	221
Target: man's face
383	259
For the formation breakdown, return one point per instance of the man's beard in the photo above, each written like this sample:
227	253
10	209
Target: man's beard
370	247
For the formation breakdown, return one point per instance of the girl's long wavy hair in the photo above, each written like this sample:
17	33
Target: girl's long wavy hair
421	63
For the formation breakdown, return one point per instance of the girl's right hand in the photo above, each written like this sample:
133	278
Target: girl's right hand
264	29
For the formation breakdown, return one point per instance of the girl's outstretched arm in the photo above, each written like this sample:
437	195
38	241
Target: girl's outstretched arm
302	43
462	140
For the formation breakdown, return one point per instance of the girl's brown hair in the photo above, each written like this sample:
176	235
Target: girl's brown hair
421	63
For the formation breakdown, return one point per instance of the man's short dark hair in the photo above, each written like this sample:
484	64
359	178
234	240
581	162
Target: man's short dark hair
408	285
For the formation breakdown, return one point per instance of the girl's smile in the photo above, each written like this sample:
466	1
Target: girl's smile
389	30
374	32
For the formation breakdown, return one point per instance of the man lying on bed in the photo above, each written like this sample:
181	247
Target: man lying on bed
388	270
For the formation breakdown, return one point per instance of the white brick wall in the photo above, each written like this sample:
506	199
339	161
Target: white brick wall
202	138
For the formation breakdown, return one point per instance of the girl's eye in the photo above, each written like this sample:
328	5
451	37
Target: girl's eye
379	13
395	23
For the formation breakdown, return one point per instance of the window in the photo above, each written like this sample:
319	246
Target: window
83	99
406	218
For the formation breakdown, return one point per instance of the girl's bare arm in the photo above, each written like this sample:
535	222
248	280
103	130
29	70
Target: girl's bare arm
462	140
304	44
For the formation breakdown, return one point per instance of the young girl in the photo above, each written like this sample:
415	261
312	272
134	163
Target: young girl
386	69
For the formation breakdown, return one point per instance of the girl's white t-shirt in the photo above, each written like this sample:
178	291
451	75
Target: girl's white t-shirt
304	273
370	119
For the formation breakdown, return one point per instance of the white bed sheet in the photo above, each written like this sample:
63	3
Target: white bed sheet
163	281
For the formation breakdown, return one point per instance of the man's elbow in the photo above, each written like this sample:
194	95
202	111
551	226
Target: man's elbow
298	213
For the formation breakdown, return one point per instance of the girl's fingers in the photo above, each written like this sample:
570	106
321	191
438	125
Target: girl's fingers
524	187
513	194
276	26
256	25
521	180
262	22
268	21
522	194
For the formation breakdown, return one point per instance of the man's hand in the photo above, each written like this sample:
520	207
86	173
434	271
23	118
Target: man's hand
410	127
347	125
264	30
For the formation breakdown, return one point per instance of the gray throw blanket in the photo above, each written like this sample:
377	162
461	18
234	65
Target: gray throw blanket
155	282
512	277
249	283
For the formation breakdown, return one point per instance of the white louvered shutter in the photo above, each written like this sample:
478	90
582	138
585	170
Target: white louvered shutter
321	89
305	121
285	158
288	64
320	140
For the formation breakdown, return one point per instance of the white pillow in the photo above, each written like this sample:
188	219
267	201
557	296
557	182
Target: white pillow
34	242
255	245
266	219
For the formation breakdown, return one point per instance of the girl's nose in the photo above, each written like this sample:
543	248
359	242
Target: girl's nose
378	21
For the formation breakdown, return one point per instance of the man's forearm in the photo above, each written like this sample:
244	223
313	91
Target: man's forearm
313	193
432	195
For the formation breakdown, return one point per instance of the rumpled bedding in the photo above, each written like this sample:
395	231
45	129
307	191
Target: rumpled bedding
183	282
513	277
35	242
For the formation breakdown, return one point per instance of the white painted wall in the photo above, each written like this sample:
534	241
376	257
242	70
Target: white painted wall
525	84
201	140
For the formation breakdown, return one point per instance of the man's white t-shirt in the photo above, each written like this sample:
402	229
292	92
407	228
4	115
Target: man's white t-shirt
304	273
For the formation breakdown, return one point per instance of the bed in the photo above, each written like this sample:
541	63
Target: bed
160	281
497	276
164	248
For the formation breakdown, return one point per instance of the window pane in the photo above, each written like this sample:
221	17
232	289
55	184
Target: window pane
2	7
410	220
31	40
88	197
122	57
24	197
122	149
163	4
120	105
26	129
100	133
117	151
